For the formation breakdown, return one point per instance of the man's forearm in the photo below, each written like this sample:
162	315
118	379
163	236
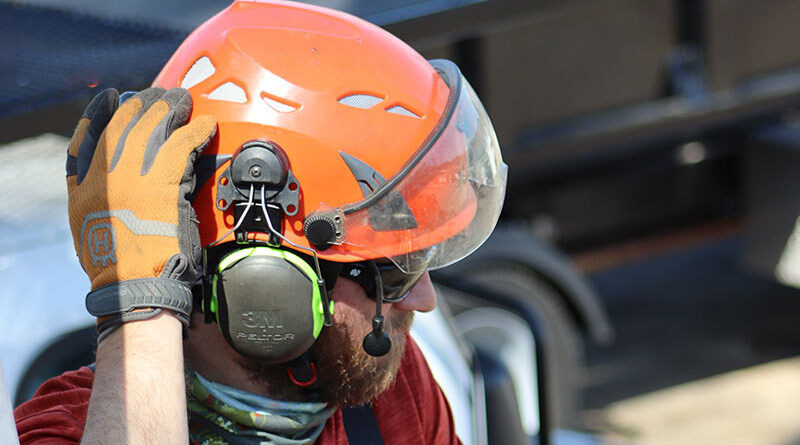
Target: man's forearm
138	395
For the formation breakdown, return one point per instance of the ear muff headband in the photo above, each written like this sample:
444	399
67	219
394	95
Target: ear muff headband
264	299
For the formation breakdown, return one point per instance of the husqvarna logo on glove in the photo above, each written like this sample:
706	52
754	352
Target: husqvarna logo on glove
102	244
101	237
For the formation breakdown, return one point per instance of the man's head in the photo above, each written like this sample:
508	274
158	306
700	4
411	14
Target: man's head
340	152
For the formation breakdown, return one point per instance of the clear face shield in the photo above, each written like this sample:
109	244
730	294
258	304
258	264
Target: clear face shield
444	203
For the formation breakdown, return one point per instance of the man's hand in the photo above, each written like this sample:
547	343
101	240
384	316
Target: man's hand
129	174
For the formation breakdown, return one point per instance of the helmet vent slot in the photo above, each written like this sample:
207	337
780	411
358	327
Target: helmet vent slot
279	106
201	70
229	92
363	101
397	109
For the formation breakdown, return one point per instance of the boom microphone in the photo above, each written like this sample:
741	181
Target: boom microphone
377	343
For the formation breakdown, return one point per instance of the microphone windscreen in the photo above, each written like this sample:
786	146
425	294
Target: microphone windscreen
377	343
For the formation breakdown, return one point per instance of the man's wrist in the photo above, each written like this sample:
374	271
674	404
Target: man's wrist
110	323
138	394
158	328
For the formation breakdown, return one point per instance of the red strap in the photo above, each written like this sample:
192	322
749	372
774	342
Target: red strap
309	382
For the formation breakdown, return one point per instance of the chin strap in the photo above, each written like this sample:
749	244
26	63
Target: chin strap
302	371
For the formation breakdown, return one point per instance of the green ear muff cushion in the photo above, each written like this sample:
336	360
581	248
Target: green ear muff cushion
267	303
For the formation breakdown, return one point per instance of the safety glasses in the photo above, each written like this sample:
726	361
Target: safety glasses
395	283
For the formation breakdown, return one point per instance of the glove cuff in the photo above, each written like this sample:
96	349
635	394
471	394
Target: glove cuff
120	299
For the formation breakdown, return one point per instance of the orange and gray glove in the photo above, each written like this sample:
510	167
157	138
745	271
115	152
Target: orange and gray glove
130	171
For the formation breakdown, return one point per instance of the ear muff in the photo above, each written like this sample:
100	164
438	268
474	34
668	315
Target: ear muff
267	303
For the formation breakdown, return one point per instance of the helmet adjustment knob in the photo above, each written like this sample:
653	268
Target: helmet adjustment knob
320	231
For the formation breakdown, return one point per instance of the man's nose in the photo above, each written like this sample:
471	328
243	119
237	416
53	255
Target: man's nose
421	298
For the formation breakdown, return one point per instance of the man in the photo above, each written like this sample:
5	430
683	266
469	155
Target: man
257	229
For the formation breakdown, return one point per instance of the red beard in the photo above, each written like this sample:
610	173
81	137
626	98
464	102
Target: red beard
346	375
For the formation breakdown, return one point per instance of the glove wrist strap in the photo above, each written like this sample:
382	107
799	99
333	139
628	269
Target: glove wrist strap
119	300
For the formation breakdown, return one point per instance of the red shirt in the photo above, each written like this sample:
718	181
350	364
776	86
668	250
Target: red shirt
412	411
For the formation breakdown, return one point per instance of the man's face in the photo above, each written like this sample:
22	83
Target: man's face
346	375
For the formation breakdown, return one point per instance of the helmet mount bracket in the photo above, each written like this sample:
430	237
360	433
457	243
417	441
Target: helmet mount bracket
263	166
254	222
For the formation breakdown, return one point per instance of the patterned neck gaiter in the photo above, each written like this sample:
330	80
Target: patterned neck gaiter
221	415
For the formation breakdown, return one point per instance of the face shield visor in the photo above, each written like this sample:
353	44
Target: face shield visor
445	201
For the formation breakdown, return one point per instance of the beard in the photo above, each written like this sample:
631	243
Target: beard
346	375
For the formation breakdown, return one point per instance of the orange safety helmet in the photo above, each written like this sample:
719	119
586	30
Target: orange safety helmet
394	152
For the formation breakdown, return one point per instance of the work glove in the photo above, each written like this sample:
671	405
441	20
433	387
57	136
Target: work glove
130	171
